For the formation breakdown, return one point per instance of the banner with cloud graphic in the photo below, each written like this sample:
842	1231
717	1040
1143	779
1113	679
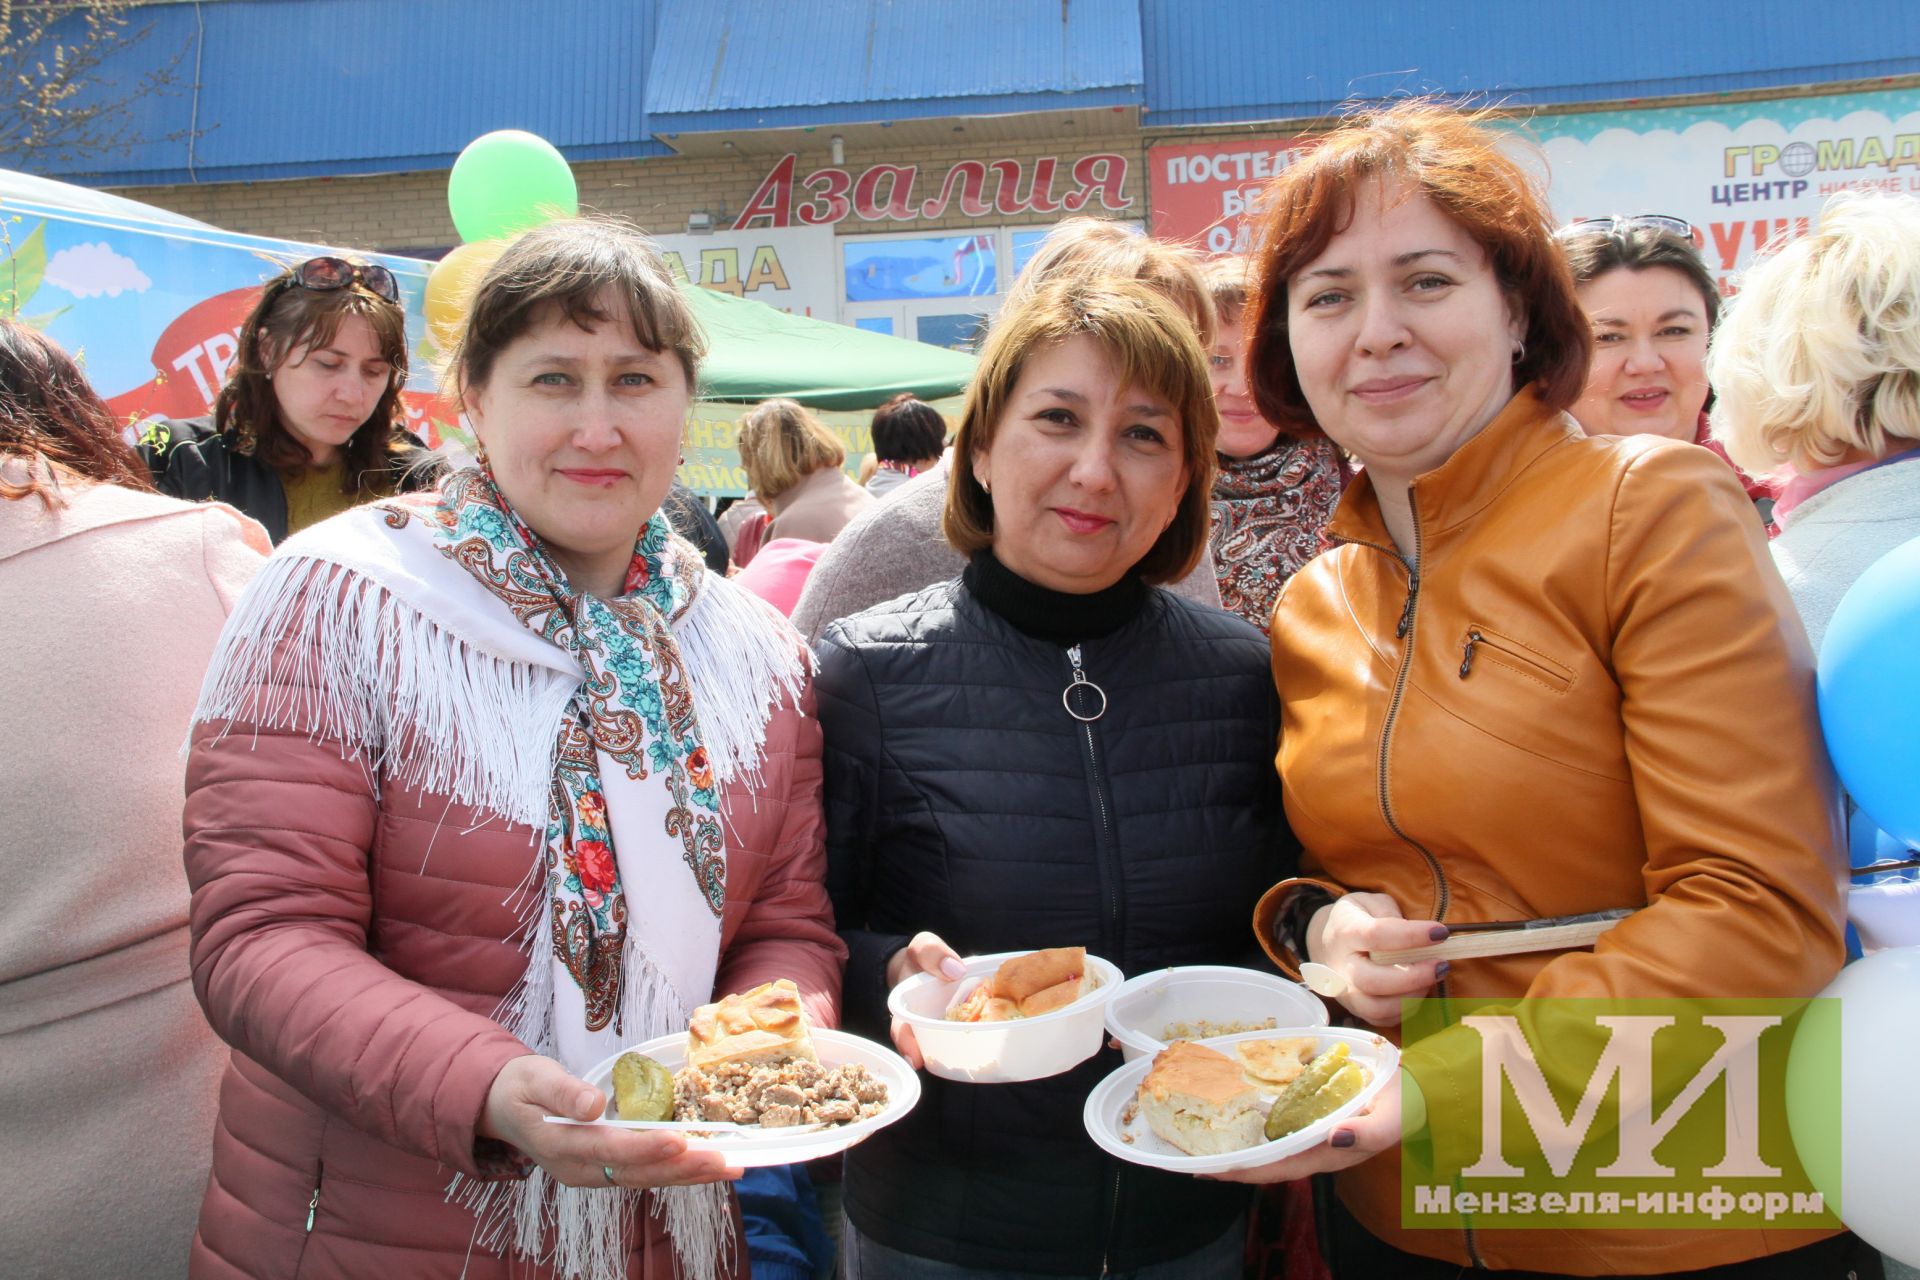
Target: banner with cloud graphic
1741	173
153	310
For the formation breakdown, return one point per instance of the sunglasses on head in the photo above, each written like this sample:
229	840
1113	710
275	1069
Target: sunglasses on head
1625	222
323	275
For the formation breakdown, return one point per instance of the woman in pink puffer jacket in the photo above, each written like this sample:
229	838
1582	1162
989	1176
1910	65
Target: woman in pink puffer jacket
486	784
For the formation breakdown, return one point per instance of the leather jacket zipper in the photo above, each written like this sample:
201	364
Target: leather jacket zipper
1514	655
1441	892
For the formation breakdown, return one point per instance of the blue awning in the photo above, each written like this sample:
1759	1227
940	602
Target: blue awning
753	64
1254	60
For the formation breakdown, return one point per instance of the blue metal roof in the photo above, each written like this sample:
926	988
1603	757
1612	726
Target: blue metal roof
744	64
292	88
297	88
1288	59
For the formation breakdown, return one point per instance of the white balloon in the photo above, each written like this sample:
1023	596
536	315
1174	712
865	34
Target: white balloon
1879	1122
1885	915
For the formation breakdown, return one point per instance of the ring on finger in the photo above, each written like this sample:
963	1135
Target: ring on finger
607	1169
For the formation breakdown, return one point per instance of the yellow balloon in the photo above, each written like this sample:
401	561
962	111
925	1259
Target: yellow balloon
450	287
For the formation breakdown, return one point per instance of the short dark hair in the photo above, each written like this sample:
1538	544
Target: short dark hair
1451	157
289	318
1595	249
49	412
908	429
566	265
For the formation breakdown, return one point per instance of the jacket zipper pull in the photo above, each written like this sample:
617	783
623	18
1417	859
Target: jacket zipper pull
313	1207
1466	663
1406	611
1080	681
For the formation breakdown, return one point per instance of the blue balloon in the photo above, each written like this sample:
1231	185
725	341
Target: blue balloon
1869	680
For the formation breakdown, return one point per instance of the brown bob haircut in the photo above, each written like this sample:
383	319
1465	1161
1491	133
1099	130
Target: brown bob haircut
291	321
1451	157
1093	248
1152	345
1227	285
781	444
50	413
569	266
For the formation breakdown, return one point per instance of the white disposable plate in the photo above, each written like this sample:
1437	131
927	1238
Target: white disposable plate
1133	1141
751	1150
1146	1005
1002	1052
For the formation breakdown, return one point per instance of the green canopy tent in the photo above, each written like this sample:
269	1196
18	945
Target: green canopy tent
756	352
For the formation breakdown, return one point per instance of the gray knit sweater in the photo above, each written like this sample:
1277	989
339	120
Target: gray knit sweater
896	547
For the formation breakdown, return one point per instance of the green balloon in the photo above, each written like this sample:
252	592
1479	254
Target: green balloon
507	181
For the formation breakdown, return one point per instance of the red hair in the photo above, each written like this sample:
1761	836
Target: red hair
49	412
1452	158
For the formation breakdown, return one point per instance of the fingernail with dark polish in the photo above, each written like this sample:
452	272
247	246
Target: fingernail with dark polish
1440	970
1341	1138
1439	933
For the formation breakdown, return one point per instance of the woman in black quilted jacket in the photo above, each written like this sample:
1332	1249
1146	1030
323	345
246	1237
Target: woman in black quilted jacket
1050	751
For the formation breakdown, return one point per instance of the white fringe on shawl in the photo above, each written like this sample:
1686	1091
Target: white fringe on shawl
373	667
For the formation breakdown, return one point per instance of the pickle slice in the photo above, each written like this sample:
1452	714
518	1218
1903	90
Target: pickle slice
1327	1098
1293	1110
642	1088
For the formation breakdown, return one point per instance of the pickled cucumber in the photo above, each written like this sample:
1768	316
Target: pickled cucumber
1299	1105
642	1088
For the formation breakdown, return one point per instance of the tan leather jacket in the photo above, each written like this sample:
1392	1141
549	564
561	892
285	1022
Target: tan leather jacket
1593	693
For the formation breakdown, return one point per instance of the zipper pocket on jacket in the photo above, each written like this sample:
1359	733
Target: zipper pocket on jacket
1494	647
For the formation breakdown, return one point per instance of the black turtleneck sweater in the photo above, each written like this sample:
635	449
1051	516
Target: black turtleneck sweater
1061	617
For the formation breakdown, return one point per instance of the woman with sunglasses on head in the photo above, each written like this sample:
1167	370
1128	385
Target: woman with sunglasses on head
309	422
488	783
1504	690
1652	304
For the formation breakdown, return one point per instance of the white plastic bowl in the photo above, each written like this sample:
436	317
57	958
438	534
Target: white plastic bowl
1002	1052
1146	1007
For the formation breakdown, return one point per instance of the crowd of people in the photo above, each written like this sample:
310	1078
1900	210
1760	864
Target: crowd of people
1434	565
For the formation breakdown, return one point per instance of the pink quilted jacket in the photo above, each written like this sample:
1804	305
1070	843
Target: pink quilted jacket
351	947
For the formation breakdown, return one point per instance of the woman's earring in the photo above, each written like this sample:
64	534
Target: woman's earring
985	487
1519	350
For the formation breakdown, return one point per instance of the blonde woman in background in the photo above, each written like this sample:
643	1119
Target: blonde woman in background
1817	369
794	464
795	467
1818	363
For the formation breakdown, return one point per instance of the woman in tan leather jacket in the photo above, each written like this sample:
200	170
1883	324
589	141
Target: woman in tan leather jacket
1539	674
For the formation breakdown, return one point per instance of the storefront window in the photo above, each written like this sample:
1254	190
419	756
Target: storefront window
923	267
935	289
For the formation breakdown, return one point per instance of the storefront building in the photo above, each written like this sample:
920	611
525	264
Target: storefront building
892	166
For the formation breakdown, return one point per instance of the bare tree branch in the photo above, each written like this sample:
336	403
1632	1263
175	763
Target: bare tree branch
56	104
